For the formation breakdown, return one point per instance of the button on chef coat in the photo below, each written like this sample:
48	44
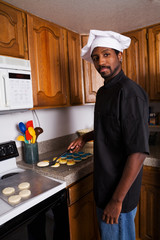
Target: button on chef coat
120	129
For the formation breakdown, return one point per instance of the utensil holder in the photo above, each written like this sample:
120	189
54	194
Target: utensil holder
31	153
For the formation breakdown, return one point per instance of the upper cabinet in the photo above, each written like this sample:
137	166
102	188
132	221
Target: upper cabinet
75	76
49	62
13	41
135	58
92	79
154	61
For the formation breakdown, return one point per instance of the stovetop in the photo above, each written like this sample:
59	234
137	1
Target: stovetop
41	187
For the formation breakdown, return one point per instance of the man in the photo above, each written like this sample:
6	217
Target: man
120	137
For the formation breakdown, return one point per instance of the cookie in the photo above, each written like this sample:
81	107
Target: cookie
70	162
25	193
24	185
57	164
43	164
8	191
78	159
63	161
14	199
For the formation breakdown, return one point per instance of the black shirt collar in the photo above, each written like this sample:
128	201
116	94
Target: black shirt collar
114	80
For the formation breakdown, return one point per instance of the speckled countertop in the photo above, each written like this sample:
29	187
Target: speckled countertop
71	174
153	159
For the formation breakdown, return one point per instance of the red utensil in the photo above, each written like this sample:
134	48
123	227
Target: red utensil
28	136
29	124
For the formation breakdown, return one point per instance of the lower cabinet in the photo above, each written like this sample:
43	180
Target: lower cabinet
82	213
150	204
148	213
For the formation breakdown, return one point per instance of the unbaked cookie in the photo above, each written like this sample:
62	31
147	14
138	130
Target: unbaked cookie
25	193
8	191
15	199
24	185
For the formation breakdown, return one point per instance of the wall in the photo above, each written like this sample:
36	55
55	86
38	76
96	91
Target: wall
55	122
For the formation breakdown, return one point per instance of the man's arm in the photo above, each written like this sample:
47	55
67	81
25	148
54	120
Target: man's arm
131	170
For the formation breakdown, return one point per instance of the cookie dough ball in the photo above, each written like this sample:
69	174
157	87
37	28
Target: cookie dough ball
8	191
25	193
24	185
15	199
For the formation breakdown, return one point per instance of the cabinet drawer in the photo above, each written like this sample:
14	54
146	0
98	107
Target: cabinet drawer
80	189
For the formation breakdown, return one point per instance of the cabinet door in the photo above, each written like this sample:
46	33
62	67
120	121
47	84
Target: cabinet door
135	60
82	219
150	213
149	204
49	64
92	79
74	68
154	61
13	41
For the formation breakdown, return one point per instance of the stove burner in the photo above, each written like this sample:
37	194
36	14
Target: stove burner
9	175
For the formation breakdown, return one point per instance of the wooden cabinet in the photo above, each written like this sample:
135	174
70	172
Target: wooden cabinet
149	204
49	62
82	215
13	40
154	61
135	58
92	79
54	53
74	68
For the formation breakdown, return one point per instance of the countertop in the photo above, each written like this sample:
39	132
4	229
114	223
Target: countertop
71	174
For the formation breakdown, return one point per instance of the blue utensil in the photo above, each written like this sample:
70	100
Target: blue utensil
22	127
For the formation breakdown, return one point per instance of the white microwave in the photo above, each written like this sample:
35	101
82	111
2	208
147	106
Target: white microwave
15	84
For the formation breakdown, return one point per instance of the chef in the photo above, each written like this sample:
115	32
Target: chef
120	137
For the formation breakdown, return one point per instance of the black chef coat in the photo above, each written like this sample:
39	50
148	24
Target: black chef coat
120	129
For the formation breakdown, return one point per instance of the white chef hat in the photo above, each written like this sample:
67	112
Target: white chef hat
107	39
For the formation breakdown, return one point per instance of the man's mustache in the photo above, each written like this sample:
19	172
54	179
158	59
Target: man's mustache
104	67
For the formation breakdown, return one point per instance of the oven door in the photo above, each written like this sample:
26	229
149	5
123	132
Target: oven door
47	220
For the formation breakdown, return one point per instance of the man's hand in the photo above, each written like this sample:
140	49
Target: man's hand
133	165
111	212
77	144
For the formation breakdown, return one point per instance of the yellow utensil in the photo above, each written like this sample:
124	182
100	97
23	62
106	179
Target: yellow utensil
21	138
32	133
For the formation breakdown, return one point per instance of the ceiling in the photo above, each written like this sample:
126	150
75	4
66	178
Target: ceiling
82	15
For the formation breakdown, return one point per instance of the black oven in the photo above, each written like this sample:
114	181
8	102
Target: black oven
47	220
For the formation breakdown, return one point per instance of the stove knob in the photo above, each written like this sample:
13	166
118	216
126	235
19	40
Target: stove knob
10	149
2	152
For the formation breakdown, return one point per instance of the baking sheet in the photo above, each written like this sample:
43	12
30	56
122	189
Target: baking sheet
38	184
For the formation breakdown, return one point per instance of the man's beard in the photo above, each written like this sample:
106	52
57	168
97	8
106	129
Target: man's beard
110	75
